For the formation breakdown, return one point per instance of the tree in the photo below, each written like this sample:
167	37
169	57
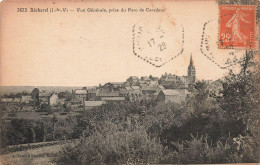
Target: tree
240	100
199	100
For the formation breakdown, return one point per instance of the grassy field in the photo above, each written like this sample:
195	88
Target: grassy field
40	156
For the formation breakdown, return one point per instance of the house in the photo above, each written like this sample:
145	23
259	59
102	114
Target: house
6	101
153	82
44	100
172	95
17	100
123	92
40	96
128	88
161	87
170	81
150	90
43	97
153	78
113	86
102	94
132	80
91	104
135	88
113	99
53	100
79	93
135	95
142	83
27	103
92	94
27	100
76	102
127	84
147	79
61	101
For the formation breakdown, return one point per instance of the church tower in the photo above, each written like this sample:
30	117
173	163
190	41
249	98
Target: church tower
192	71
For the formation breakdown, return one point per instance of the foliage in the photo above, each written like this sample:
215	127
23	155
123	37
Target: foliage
218	123
111	145
222	115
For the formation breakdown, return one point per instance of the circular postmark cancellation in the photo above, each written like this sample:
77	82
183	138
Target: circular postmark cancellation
210	46
157	41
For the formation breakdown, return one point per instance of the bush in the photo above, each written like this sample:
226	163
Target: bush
109	145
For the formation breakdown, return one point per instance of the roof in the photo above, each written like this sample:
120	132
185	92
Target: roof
144	85
81	91
123	91
26	99
107	94
44	99
174	92
17	100
93	103
42	94
114	83
113	99
135	92
171	78
156	93
6	99
150	88
142	82
160	86
135	87
92	91
54	95
146	78
185	79
155	78
128	88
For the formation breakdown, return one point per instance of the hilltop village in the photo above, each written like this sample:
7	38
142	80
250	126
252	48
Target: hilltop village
167	88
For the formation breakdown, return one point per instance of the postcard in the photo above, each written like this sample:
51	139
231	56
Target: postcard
129	82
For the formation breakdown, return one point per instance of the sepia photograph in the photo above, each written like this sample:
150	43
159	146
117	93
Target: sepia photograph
86	82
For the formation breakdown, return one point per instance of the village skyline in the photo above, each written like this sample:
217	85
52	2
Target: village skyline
56	89
14	89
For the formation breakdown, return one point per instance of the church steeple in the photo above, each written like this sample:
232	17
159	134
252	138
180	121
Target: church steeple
191	61
192	70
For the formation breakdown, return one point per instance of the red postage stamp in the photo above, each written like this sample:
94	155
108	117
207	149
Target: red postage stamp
237	26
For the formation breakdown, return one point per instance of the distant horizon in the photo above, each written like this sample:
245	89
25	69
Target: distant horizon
90	85
29	88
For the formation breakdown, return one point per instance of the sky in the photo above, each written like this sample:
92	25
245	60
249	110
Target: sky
85	49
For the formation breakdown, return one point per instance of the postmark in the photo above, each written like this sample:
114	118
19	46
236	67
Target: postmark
209	47
237	26
157	41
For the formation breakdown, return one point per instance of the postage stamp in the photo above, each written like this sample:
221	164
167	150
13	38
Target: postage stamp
157	41
237	26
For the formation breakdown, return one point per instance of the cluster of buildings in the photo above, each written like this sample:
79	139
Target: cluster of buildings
30	102
167	88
